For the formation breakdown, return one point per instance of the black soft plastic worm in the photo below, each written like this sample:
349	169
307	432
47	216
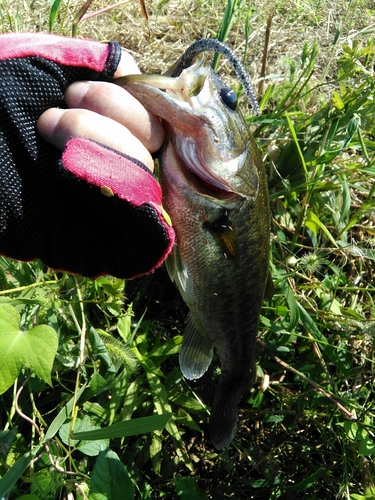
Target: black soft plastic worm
213	45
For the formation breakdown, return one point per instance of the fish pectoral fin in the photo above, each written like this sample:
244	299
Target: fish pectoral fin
225	236
196	352
176	269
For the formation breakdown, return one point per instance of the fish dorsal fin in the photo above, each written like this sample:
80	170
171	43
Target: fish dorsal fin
225	236
196	352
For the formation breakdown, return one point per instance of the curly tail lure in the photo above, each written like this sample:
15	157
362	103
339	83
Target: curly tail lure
213	45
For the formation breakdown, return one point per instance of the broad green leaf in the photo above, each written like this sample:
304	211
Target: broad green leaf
99	348
97	385
126	428
132	396
97	410
34	349
366	447
46	481
281	311
161	402
89	447
275	418
40	301
337	101
357	433
124	326
353	430
8	316
110	480
187	489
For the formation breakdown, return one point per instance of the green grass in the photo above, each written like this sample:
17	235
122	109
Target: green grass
309	433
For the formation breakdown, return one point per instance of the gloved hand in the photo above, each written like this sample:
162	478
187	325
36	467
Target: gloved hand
91	210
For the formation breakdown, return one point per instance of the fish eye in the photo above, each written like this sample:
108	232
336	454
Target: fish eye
229	98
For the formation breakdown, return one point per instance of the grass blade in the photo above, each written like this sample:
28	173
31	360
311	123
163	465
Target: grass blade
134	427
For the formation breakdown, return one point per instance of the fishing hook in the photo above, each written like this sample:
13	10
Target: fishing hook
211	44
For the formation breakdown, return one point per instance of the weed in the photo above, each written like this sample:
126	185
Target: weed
113	417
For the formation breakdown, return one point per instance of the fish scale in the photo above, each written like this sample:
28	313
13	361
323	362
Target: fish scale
215	190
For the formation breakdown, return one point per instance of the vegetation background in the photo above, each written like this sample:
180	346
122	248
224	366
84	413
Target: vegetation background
307	429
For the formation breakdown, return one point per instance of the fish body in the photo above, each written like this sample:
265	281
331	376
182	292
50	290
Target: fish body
215	191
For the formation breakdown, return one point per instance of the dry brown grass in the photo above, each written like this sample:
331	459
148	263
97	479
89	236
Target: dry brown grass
156	44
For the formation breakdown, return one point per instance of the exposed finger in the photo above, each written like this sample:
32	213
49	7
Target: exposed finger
57	126
116	103
127	65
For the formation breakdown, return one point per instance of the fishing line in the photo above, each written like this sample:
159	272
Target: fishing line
211	44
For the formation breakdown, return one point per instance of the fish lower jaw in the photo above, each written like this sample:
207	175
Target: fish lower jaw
192	166
205	187
179	173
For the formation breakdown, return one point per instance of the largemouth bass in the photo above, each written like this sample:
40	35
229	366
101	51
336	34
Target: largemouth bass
215	191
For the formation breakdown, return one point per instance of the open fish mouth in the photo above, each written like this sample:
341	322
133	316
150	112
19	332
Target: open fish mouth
203	114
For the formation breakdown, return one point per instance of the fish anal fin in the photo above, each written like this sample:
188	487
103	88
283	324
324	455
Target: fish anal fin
225	236
196	352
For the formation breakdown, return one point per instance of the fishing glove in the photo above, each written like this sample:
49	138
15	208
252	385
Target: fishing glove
89	210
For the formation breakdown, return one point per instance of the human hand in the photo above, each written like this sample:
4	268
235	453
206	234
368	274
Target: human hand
90	209
105	113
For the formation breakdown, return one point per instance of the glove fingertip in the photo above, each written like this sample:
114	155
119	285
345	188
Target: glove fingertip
123	199
104	167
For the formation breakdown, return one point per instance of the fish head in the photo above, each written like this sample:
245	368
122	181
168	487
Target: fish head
208	132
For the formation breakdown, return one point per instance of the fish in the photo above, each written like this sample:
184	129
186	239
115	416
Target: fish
215	191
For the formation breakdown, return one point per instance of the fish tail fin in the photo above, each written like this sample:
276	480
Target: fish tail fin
196	352
223	421
224	415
